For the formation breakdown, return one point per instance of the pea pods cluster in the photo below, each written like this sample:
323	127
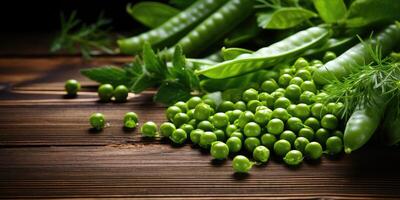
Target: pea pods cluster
287	116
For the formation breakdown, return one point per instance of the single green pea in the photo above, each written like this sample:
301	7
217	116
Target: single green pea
105	92
309	86
329	55
190	113
182	105
252	129
226	105
293	157
234	144
262	116
250	143
193	122
304	74
241	164
193	102
209	102
250	94
338	134
244	118
266	99
334	145
172	111
284	80
219	150
240	105
321	135
275	126
206	139
97	121
187	128
318	110
294	124
281	114
307	97
330	107
268	140
301	63
269	86
167	128
202	111
291	109
338	110
286	70
261	154
220	135
313	150
321	97
282	147
149	129
293	92
253	104
280	90
195	135
235	114
296	81
313	123
307	133
179	136
220	120
302	111
180	118
263	108
300	143
72	87
130	120
277	94
288	135
329	121
282	102
121	93
230	129
238	135
316	62
205	125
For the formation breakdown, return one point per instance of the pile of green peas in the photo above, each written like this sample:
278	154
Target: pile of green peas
287	116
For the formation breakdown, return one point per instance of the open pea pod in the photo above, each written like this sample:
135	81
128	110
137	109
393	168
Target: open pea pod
337	45
268	56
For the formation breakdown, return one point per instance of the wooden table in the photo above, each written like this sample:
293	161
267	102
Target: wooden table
47	150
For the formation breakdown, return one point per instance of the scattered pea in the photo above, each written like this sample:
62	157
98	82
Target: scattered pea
105	92
130	120
72	87
180	118
206	139
182	105
282	147
219	150
97	121
313	150
193	102
234	144
149	129
293	157
334	145
121	93
241	164
261	154
179	136
195	135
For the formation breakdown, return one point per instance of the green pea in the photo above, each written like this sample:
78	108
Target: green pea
180	118
220	120
296	81
205	126
263	108
301	63
338	110
220	135
288	135
277	94
266	99
329	55
105	92
193	122
284	80
321	135
241	164
238	135
202	111
121	93
302	111
316	62
281	114
179	136
307	133
286	70
291	109
309	86
294	124
293	92
193	102
318	110
313	150
195	136
226	105
282	147
190	113
261	154
329	121
304	74
280	90
172	111
187	128
72	87
97	121
244	118
233	115
130	120
252	129
182	105
282	102
149	129
338	134
262	116
313	123
307	97
300	143
268	140
250	94
321	97
240	105
269	86
209	102
251	143
219	150
293	157
206	139
334	145
253	104
230	129
234	144
167	128
275	126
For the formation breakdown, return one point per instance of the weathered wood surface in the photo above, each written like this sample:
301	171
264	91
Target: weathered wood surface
47	150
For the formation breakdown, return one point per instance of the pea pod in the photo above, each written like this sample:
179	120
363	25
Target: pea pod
232	53
337	45
268	56
391	125
172	30
349	61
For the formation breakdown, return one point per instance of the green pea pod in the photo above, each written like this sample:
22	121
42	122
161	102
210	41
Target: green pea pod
216	26
268	56
391	125
349	61
362	123
172	30
232	53
337	45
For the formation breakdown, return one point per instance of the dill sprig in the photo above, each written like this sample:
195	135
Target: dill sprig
88	39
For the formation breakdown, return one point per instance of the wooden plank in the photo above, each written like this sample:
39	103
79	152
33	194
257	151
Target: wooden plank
170	172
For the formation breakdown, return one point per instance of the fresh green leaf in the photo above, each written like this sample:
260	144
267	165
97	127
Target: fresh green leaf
144	81
331	11
151	14
108	74
170	92
284	18
181	4
365	12
153	64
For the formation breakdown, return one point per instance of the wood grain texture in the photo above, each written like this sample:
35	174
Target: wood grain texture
48	151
